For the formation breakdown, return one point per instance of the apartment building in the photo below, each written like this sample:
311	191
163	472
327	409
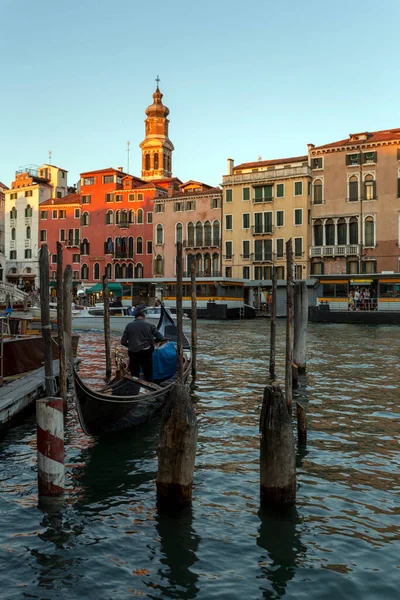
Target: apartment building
3	188
264	204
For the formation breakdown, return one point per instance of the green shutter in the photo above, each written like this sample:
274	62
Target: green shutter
228	196
246	193
347	159
374	188
398	187
258	193
268	191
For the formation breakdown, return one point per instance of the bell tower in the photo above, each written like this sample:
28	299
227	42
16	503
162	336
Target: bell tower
156	148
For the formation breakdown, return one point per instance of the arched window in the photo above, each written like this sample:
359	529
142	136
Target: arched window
353	188
96	271
147	162
178	232
131	216
199	234
109	217
108	246
84	272
199	263
159	234
139	245
117	271
155	160
207	265
369	234
129	271
369	188
169	162
215	265
216	234
109	271
342	232
28	211
139	218
189	260
85	247
207	233
353	230
139	271
123	270
130	247
13	233
190	234
117	217
318	233
165	161
159	265
85	218
317	191
329	232
13	213
28	233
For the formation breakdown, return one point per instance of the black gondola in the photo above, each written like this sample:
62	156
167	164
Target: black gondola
126	402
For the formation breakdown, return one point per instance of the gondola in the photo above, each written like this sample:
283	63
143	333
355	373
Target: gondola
126	402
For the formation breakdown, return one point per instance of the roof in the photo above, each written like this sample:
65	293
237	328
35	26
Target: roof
68	199
54	167
110	169
267	163
167	180
374	136
3	186
199	192
192	181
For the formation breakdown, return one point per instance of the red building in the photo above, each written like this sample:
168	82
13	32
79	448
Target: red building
60	221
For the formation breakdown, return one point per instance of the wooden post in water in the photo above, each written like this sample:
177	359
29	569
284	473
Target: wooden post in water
45	319
301	424
194	319
289	325
60	327
300	326
50	447
179	311
67	327
107	339
272	349
277	450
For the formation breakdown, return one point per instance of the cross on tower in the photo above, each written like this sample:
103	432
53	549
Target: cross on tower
158	80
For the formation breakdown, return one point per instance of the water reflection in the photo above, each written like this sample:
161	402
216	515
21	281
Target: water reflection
279	535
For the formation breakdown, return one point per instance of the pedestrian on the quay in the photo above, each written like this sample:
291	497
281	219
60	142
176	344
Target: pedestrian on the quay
139	337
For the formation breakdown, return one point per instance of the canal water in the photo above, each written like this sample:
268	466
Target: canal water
109	542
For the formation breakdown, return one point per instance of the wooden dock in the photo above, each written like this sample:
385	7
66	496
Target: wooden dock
18	395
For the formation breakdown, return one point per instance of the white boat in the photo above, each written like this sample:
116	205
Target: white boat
92	318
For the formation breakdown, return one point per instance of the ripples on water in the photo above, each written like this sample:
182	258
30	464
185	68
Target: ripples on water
109	542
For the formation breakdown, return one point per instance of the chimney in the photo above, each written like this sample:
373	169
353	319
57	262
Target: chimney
310	147
120	168
230	166
170	190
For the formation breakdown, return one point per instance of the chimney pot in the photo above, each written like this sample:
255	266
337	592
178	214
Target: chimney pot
230	166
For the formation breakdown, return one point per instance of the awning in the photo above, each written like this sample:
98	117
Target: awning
112	287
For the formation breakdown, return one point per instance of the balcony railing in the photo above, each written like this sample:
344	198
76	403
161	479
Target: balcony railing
123	255
266	175
261	257
348	250
260	230
261	200
216	243
123	225
72	243
13	244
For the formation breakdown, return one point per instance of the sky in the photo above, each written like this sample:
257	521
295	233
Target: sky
242	80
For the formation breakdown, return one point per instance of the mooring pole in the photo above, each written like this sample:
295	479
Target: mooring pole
272	349
45	318
300	327
179	311
107	339
277	450
289	325
301	424
60	327
50	447
67	327
193	313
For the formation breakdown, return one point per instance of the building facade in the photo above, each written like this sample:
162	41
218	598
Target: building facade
264	204
192	216
3	188
31	187
354	211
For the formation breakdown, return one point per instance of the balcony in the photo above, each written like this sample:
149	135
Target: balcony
122	256
72	243
203	245
258	257
262	200
123	225
260	176
13	244
28	221
27	243
333	251
260	230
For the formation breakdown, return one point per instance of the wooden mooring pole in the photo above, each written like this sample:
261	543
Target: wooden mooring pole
60	327
178	434
272	349
50	447
107	338
277	451
45	319
67	328
193	314
289	325
301	424
300	326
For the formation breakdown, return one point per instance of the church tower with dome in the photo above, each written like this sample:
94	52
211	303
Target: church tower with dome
156	148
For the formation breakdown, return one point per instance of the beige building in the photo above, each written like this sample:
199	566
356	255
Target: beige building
264	204
355	212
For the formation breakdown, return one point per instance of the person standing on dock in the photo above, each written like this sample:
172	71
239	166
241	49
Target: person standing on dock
139	337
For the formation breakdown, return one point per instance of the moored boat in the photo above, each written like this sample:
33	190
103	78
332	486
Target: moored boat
92	318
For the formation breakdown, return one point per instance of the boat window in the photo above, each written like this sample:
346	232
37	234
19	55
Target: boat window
341	290
386	290
328	290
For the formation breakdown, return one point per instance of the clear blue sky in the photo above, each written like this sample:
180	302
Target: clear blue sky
241	79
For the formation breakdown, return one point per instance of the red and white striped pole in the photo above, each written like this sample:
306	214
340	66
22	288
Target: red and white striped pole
50	446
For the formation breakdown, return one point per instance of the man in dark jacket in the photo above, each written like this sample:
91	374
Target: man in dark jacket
139	337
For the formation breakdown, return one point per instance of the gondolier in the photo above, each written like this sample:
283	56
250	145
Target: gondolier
139	337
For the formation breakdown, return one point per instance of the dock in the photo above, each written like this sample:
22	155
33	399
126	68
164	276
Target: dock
18	395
